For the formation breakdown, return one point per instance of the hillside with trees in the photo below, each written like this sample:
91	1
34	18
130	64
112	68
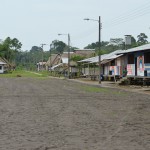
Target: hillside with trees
118	43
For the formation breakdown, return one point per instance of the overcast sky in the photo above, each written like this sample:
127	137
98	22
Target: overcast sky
39	21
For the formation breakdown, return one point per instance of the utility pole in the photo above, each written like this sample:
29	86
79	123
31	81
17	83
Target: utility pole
42	45
99	50
68	55
50	56
99	45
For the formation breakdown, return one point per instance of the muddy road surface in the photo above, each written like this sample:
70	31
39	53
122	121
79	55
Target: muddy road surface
53	114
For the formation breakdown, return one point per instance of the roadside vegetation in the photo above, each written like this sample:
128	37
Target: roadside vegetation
24	73
11	50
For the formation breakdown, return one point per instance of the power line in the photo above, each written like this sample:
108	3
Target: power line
138	10
125	17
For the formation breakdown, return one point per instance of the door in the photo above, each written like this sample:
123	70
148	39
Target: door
135	66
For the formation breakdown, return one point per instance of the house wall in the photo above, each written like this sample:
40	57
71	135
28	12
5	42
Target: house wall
138	67
117	68
124	62
85	71
74	69
147	67
106	69
1	69
131	69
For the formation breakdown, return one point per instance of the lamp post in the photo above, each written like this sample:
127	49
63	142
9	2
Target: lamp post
50	65
42	54
68	53
99	45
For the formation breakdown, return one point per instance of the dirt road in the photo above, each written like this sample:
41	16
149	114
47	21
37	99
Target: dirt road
51	114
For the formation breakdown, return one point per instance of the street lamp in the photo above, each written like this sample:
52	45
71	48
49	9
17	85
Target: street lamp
42	54
99	22
68	53
50	62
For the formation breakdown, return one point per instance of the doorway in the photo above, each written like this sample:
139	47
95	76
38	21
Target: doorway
135	66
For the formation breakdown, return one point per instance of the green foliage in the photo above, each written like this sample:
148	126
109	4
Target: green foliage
9	47
35	49
77	58
116	44
142	39
133	42
116	41
29	59
58	46
96	45
20	73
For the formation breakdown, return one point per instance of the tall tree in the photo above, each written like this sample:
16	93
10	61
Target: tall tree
58	46
35	49
9	47
96	45
142	39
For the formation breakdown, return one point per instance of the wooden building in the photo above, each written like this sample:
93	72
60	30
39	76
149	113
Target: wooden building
138	60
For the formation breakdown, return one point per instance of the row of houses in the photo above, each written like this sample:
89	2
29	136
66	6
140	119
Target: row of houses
135	60
59	62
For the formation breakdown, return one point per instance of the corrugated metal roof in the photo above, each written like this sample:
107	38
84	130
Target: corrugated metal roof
135	49
112	55
106	61
56	66
2	63
84	49
89	59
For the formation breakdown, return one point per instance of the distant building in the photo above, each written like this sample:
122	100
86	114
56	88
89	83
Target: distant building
4	65
59	62
85	52
41	66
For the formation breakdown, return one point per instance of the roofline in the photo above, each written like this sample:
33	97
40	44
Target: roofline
84	49
136	49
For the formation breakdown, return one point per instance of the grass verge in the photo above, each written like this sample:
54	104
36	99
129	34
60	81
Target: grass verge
23	73
94	89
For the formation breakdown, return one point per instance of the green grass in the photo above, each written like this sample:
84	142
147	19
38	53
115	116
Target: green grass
23	73
94	89
44	73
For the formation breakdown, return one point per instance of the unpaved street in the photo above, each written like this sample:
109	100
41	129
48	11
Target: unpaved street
53	114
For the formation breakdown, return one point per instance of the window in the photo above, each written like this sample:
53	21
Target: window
113	62
147	57
0	67
130	58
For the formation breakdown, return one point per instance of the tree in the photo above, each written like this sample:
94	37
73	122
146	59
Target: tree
133	42
116	41
96	45
142	39
77	58
35	49
58	46
9	47
106	47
